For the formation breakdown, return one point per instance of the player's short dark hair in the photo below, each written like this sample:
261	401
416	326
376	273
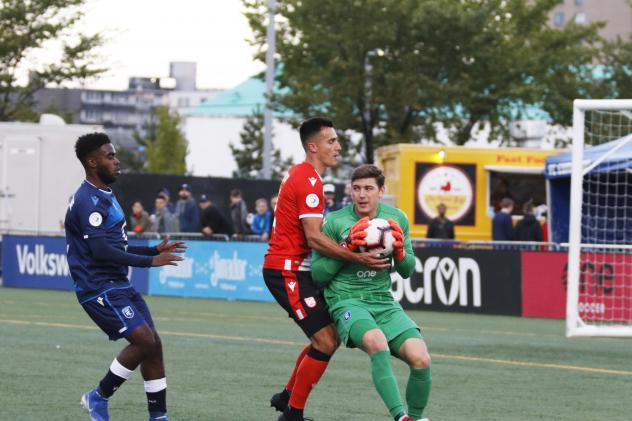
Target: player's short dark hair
312	126
368	171
88	143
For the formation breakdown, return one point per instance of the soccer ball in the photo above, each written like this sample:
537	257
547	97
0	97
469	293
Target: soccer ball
379	237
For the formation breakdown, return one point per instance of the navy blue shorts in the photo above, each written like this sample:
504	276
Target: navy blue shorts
118	312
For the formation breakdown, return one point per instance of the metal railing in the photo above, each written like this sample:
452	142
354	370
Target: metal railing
491	245
417	242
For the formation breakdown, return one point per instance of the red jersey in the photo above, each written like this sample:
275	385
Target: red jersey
300	196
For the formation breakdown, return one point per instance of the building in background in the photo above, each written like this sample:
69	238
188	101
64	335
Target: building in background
121	113
616	13
215	124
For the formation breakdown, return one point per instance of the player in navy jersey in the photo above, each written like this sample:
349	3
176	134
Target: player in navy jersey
99	259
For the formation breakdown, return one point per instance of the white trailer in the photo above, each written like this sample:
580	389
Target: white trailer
38	173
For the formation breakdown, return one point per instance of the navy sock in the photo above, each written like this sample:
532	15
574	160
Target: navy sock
157	403
109	384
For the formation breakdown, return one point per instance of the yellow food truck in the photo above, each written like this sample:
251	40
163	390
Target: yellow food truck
469	181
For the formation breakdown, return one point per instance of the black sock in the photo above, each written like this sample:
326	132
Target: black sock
109	384
294	413
157	403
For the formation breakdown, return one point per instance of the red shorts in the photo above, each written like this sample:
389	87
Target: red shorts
296	293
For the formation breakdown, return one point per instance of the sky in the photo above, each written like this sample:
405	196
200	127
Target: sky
145	35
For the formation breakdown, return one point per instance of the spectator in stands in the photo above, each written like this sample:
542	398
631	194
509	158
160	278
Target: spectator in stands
347	197
502	226
273	202
165	192
139	219
528	228
163	220
329	191
187	211
262	219
441	227
500	192
238	213
212	220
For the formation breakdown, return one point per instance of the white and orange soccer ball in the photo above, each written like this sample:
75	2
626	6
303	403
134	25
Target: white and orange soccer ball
379	237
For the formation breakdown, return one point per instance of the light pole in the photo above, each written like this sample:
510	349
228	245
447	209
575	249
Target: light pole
366	113
266	170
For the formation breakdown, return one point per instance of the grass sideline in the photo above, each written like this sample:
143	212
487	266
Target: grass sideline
225	358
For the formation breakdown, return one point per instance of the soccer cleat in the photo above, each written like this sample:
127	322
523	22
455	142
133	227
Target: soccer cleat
405	418
285	416
163	418
96	405
280	400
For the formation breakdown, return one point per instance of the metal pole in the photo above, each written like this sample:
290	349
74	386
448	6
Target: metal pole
368	69
266	171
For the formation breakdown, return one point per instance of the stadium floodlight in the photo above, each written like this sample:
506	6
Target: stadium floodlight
599	276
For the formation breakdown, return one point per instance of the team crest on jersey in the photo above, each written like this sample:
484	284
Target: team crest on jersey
312	200
95	219
312	180
128	312
347	315
311	302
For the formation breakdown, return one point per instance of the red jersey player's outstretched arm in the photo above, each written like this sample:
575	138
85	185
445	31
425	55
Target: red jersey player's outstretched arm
325	245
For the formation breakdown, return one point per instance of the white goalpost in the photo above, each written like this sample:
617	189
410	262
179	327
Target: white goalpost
599	276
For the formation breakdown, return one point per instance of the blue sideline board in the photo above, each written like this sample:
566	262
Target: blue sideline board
210	269
214	270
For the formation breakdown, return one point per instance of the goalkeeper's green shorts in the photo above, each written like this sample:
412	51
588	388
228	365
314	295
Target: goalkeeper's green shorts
389	316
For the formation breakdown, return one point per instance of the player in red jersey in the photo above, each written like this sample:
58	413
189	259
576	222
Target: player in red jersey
286	268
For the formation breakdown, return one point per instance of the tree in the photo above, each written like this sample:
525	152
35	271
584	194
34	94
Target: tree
249	155
392	69
166	152
28	26
130	161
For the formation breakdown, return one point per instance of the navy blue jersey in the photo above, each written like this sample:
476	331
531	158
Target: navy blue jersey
92	213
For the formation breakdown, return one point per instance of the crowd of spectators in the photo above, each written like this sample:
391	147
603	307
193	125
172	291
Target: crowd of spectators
528	228
188	215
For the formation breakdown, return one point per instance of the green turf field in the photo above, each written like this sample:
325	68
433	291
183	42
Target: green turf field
224	359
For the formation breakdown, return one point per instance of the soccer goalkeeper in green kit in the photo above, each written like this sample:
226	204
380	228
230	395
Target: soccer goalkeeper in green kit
360	300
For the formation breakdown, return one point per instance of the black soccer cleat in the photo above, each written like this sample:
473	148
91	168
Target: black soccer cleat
287	415
282	417
280	400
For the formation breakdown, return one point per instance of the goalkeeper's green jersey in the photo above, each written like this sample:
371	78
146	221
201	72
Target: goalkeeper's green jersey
346	280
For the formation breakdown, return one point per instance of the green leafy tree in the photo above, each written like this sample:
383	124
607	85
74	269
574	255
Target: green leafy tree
392	69
249	153
130	161
28	26
167	148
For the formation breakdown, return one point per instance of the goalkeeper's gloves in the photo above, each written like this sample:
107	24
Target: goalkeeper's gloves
398	245
357	233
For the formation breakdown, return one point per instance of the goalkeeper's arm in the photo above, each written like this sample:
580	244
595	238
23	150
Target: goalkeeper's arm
406	265
324	268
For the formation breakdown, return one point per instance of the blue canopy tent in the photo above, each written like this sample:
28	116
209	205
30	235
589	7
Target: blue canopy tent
607	202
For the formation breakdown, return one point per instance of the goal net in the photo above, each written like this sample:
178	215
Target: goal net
599	277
